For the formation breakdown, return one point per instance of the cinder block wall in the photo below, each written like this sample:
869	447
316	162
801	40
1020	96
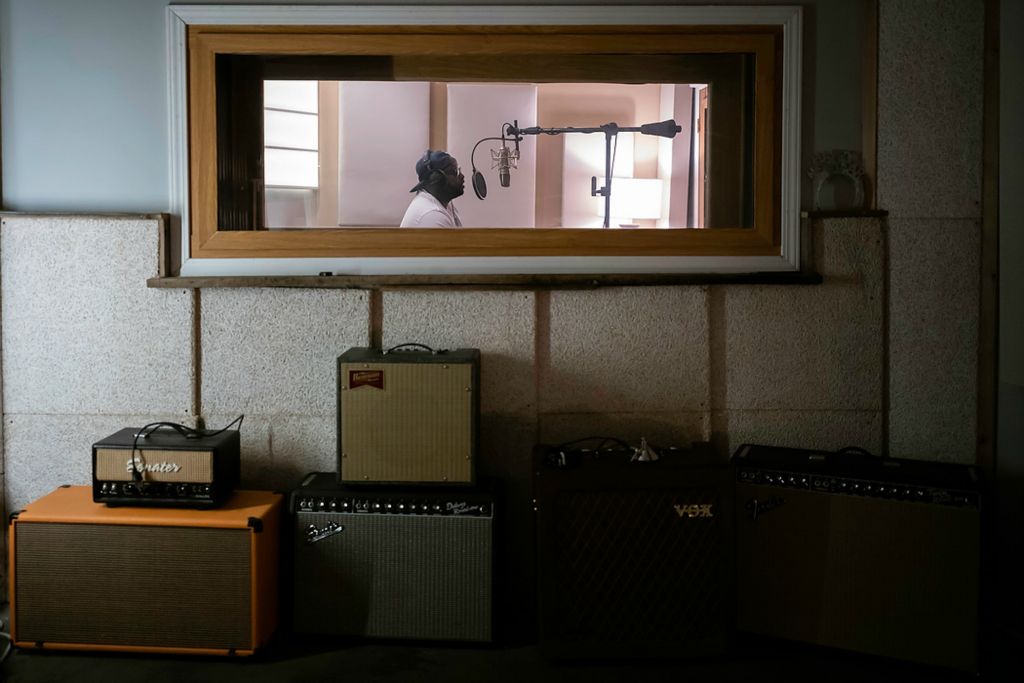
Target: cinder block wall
88	349
930	96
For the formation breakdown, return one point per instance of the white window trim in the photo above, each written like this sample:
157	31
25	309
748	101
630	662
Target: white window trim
789	17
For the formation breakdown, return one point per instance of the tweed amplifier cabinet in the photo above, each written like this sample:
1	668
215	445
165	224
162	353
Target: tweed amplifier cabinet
634	558
396	563
408	416
875	555
165	468
85	576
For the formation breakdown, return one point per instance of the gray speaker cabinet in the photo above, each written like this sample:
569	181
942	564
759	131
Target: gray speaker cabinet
407	563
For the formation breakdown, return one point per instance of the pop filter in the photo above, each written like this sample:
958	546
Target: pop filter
479	184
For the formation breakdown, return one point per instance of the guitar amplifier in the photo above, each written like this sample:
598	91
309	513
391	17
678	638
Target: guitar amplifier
85	576
408	416
634	558
165	468
875	555
393	563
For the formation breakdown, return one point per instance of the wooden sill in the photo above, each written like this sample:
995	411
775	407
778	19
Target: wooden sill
484	282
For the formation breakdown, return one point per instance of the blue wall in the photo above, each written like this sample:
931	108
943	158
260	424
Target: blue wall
83	94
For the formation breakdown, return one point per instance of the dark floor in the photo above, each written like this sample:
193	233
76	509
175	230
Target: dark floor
292	659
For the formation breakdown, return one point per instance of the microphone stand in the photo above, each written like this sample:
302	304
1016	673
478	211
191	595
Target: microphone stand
610	130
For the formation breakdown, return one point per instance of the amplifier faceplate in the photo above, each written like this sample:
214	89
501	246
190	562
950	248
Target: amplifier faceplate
867	554
393	564
115	464
165	469
408	417
634	558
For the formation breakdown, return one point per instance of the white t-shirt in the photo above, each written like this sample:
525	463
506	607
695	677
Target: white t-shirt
425	211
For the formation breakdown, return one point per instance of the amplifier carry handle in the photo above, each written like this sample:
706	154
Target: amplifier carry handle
418	346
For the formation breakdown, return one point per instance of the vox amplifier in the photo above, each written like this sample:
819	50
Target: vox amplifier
408	416
165	468
634	557
85	576
397	563
848	550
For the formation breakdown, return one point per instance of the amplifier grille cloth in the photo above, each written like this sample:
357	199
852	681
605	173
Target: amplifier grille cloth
135	585
112	464
396	576
627	563
892	578
417	429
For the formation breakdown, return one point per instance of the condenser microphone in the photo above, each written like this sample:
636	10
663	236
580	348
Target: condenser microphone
505	159
504	177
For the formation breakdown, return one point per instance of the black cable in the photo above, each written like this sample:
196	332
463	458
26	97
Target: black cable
6	638
184	430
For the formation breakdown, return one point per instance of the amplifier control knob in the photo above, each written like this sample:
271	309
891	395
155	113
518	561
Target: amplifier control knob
334	504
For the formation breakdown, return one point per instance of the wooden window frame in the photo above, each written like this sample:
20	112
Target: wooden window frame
196	34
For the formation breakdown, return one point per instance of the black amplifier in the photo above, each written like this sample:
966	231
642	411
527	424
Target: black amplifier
394	563
165	468
634	553
848	550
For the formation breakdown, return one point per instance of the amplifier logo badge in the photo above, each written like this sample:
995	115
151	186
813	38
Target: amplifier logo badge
314	533
461	508
138	464
696	510
365	378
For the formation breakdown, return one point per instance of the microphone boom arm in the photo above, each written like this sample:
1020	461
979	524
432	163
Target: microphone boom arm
512	132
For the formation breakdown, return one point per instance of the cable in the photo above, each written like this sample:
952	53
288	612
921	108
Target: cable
6	638
558	456
184	430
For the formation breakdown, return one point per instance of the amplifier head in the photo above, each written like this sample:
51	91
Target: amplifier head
397	563
408	416
164	468
634	558
85	576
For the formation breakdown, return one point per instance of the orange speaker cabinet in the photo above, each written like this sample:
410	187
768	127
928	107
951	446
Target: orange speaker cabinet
84	576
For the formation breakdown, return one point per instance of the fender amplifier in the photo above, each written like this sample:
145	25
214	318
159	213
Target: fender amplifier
393	563
85	576
408	416
876	555
634	558
165	468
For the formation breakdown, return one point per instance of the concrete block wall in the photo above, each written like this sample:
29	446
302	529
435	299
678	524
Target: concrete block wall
88	349
930	55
